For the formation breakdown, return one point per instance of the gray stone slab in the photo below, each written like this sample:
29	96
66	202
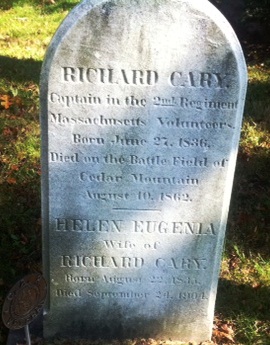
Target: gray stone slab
141	109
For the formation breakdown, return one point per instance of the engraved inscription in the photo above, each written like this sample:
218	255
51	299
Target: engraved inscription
198	79
124	141
140	178
82	225
181	263
134	226
101	121
68	100
68	293
174	280
174	227
107	196
101	261
108	76
186	103
154	160
110	244
79	139
121	280
176	263
60	157
70	278
179	123
102	177
183	295
120	294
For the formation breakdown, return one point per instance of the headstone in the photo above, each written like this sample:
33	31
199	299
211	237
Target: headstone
141	107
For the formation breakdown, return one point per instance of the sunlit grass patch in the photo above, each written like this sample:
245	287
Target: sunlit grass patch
255	138
257	105
259	72
19	133
26	31
246	269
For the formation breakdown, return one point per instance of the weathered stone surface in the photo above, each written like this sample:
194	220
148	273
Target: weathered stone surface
141	106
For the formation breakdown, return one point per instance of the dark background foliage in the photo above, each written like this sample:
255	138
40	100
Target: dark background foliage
250	18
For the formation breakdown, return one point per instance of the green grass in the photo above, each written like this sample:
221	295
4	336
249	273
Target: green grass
243	301
243	297
19	43
25	31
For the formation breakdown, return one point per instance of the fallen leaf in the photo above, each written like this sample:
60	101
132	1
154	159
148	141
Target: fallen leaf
14	167
6	102
7	132
223	332
226	328
219	336
11	180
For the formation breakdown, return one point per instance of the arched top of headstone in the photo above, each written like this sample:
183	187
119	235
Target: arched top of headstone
196	25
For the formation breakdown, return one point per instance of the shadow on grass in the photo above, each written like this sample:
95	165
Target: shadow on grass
241	299
7	4
19	70
247	308
20	229
20	247
249	218
257	105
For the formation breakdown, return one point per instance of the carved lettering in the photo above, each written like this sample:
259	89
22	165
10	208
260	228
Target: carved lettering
128	141
68	293
108	76
194	79
134	102
87	225
173	280
187	228
154	160
101	261
110	244
60	157
194	162
187	181
107	196
120	294
181	263
67	101
135	226
102	177
79	139
175	197
70	278
178	123
121	280
192	295
101	120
